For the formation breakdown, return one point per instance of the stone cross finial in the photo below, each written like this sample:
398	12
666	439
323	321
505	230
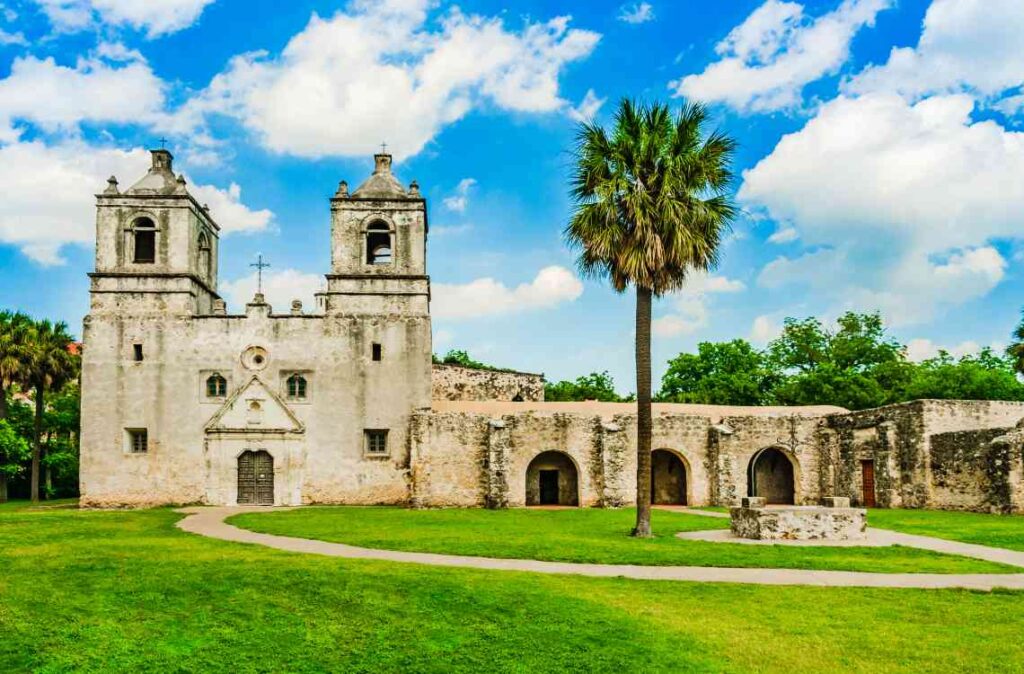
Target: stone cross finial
342	192
111	186
414	189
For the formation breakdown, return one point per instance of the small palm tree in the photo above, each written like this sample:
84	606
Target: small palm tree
14	331
48	366
1016	349
651	208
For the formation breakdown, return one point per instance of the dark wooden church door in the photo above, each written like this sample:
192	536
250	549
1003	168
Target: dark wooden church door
255	478
867	474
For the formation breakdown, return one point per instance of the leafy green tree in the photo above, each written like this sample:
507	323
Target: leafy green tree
650	209
985	376
462	359
720	373
14	451
49	365
593	386
856	366
1016	349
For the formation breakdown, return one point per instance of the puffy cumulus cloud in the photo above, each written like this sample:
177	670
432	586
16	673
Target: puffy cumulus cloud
487	297
49	200
380	71
965	45
689	306
458	200
641	12
768	59
59	98
587	108
280	287
227	209
784	235
155	17
923	349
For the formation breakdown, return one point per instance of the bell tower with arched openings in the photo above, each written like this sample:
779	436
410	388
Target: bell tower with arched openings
378	247
156	246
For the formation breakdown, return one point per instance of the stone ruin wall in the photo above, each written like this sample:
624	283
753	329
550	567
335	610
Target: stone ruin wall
454	382
468	459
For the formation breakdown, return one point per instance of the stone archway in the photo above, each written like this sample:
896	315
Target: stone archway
255	478
668	478
552	479
771	474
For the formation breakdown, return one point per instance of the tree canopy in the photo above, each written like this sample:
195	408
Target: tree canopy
593	386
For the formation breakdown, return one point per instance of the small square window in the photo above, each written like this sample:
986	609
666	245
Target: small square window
377	442
138	440
378	352
137	352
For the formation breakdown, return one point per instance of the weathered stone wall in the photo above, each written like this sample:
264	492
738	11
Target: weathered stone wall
962	470
453	382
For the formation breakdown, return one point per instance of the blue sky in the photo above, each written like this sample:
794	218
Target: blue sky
879	163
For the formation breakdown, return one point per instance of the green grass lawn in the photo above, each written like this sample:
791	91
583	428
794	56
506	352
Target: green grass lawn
126	591
582	535
1000	531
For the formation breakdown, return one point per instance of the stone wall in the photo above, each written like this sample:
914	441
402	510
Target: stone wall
962	465
453	382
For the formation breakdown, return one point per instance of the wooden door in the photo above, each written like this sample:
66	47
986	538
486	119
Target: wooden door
867	474
247	478
264	478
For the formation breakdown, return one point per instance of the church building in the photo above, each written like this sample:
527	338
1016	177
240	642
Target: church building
185	403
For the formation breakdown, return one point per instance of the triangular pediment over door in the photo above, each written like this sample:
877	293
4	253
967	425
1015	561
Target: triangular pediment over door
254	408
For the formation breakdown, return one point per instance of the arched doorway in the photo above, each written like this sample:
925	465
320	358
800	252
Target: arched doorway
668	478
255	478
552	479
770	475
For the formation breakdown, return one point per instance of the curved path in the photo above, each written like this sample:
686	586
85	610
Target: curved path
209	521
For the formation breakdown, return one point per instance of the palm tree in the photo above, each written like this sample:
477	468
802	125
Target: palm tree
14	330
49	365
1016	349
651	209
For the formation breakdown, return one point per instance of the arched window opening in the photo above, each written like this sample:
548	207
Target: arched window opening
216	386
668	478
296	387
204	256
145	241
378	243
552	479
771	475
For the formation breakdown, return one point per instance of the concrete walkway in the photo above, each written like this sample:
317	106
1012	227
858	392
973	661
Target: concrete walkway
210	522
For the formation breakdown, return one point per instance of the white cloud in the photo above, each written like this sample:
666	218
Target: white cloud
488	297
7	39
689	306
59	98
906	198
923	349
972	45
280	287
334	88
156	17
764	329
588	107
784	235
49	201
460	198
637	13
768	59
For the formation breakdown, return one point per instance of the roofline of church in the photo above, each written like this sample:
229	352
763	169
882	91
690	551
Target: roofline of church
137	274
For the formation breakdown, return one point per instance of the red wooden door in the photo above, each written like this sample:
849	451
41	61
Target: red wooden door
867	474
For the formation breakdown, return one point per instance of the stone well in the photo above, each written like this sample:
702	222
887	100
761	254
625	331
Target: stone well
834	521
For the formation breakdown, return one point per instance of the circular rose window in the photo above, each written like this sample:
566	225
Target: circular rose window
254	358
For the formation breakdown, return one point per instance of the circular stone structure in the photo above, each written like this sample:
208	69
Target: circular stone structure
833	521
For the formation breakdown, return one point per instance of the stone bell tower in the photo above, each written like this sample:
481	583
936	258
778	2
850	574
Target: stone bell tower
378	247
156	246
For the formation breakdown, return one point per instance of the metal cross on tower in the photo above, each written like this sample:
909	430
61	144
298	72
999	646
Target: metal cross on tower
163	143
383	148
260	266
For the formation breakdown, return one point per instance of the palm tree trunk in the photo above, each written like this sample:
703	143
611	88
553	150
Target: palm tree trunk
3	488
37	433
643	413
3	402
